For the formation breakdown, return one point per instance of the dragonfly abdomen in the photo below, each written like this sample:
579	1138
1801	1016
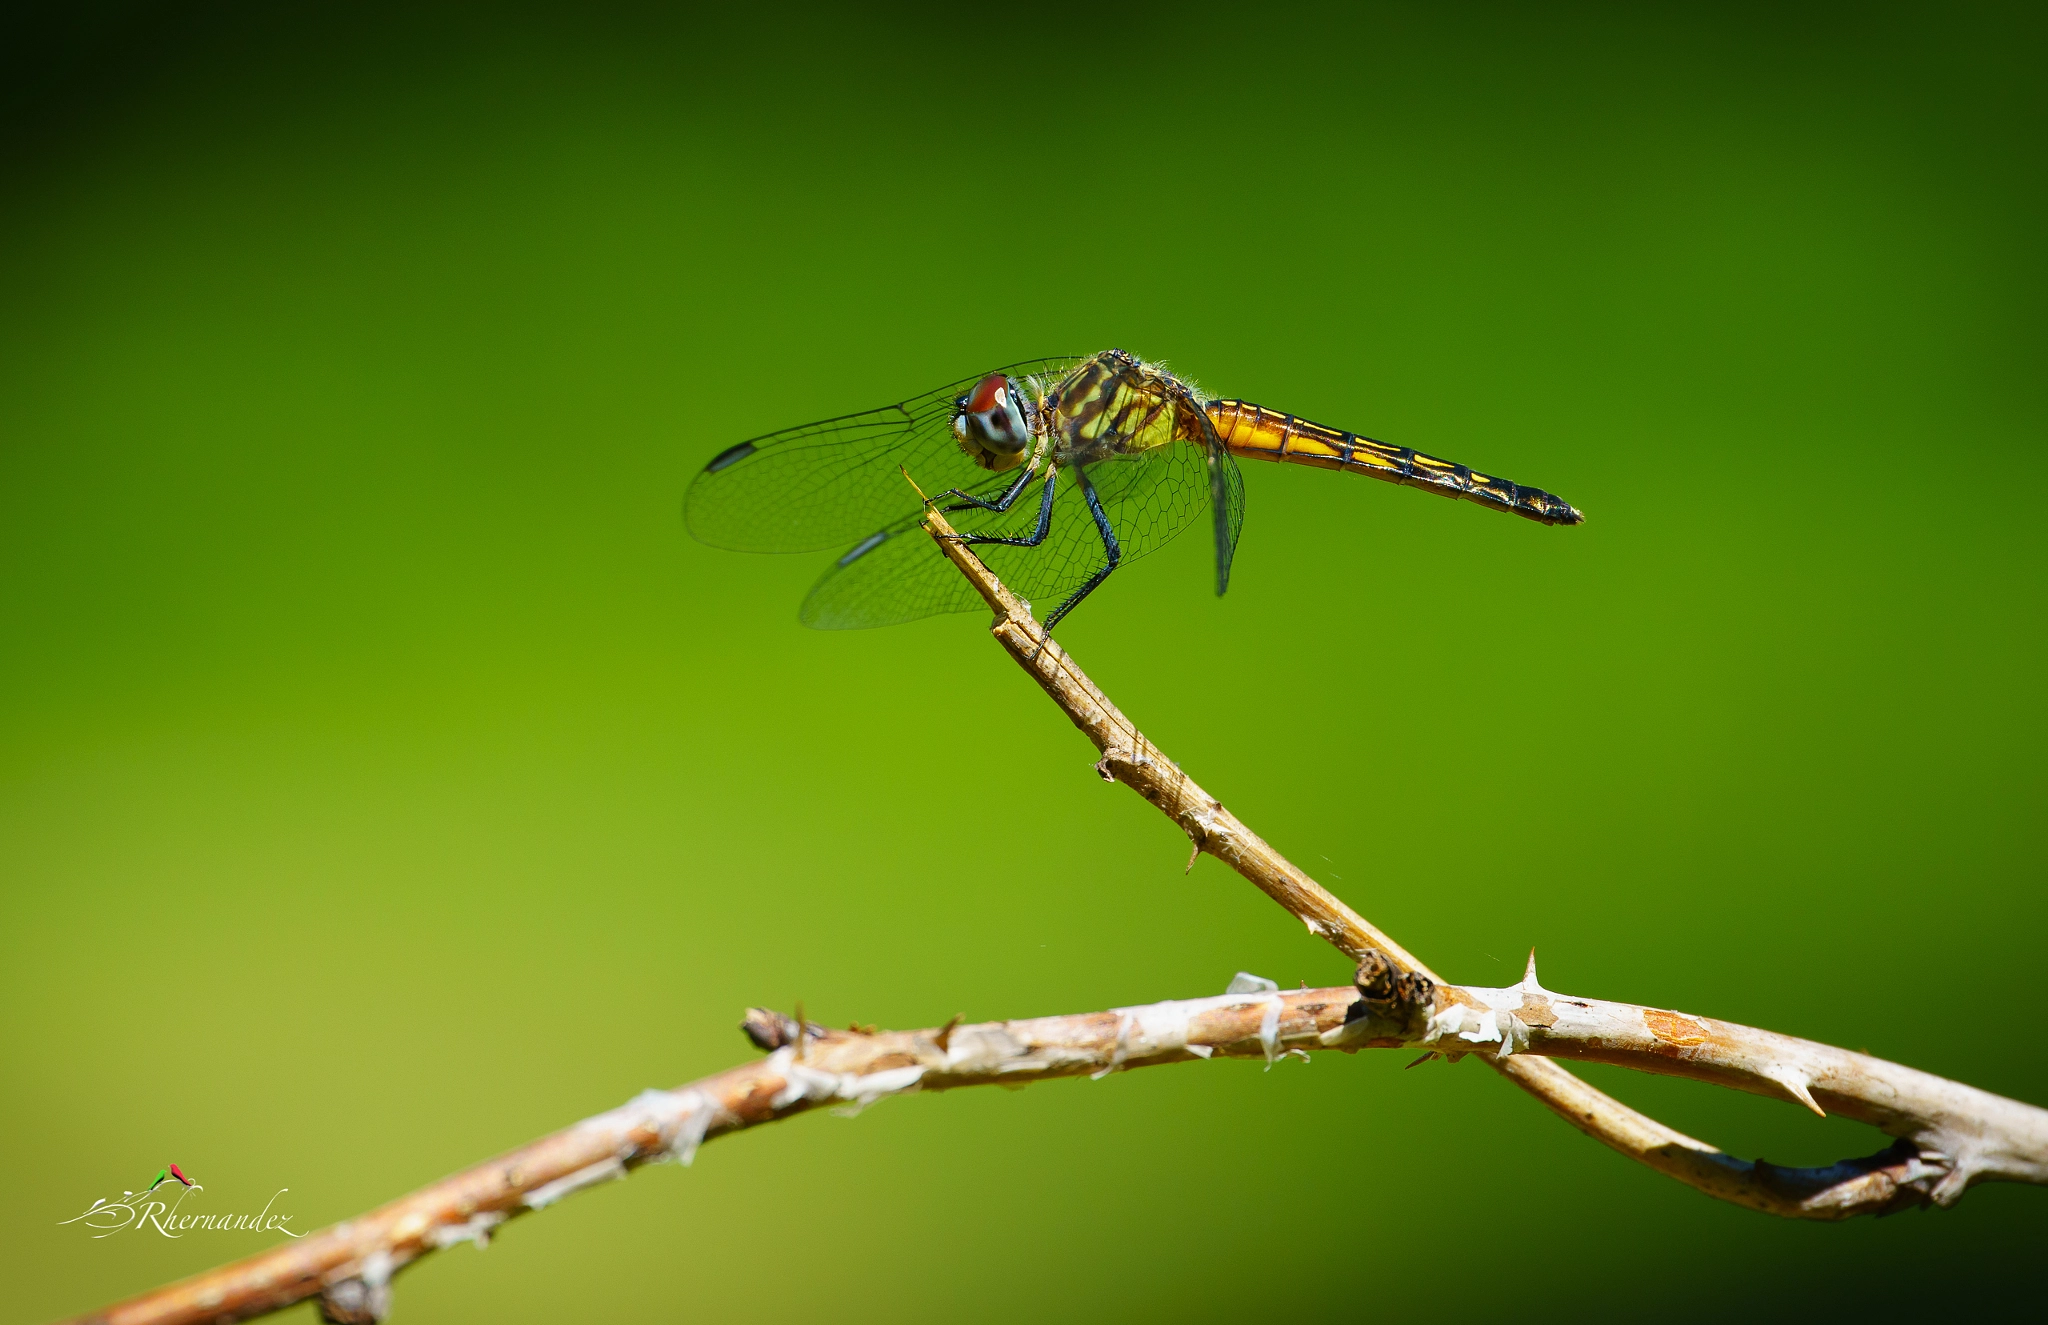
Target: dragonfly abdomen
1254	432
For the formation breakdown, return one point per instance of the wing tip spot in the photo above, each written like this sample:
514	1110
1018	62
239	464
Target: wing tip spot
862	548
731	455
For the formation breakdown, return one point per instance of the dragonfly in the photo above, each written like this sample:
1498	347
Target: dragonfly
1055	471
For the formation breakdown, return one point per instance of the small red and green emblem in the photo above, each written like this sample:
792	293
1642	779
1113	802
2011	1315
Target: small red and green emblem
165	1174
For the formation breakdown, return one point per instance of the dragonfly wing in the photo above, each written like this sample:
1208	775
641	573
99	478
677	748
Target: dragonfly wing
1152	496
894	575
1226	502
839	483
825	484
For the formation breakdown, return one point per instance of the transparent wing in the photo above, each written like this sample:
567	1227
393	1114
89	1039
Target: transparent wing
1226	499
894	575
898	574
825	484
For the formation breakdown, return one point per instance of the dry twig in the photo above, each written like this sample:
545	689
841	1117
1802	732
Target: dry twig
1950	1135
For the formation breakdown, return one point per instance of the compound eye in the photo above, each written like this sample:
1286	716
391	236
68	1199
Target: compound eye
991	392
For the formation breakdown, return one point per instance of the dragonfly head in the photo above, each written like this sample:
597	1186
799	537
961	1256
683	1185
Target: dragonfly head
993	422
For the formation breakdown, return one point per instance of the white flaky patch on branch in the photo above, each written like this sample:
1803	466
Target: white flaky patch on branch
1951	1135
1477	1022
858	1089
1162	1028
676	1118
475	1230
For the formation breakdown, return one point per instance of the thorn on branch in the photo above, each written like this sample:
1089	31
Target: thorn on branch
945	1035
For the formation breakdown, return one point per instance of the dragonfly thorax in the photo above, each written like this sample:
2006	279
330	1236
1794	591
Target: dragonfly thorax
993	422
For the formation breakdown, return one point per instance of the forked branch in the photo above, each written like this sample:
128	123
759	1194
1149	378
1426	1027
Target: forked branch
350	1266
1950	1135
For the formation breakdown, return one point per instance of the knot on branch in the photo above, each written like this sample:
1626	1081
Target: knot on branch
771	1030
1388	993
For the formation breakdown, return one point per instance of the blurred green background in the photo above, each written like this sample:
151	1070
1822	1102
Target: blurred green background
386	778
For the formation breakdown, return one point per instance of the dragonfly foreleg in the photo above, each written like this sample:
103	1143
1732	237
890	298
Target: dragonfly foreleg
969	502
1111	551
1037	535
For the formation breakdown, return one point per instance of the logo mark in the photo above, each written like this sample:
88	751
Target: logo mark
164	1173
140	1210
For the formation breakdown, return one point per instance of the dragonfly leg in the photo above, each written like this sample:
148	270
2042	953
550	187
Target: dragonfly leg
1037	535
1113	553
969	502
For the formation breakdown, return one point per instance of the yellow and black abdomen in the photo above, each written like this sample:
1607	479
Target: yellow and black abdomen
1253	432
